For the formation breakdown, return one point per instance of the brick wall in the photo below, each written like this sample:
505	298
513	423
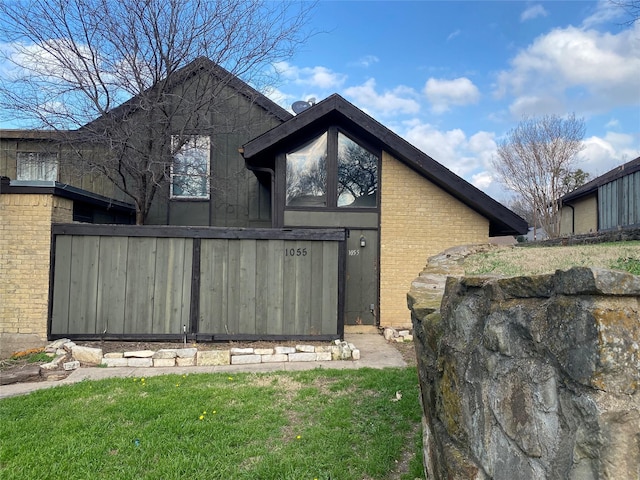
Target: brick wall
25	237
418	220
582	218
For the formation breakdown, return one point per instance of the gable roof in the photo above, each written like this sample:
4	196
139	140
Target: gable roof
200	64
592	186
335	110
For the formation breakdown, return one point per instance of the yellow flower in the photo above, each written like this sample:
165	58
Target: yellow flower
229	378
204	413
298	437
201	417
214	412
177	384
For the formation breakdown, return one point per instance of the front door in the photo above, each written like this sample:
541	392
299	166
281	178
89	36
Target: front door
361	295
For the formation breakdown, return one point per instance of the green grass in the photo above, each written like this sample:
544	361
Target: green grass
628	264
535	260
322	424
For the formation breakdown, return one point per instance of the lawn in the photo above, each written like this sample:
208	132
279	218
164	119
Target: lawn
318	424
535	260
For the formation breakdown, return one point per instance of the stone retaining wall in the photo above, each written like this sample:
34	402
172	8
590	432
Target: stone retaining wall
534	378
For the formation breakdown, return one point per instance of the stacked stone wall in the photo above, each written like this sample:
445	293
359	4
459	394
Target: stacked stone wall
529	377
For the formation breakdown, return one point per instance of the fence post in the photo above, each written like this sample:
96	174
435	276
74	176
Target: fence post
194	308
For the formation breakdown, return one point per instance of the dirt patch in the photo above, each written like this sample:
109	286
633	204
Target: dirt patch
408	352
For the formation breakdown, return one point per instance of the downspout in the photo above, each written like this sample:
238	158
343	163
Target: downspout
573	218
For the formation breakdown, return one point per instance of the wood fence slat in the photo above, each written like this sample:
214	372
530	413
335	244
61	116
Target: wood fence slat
317	288
84	284
275	274
168	289
213	285
185	306
262	281
247	287
233	288
289	310
112	277
140	285
303	288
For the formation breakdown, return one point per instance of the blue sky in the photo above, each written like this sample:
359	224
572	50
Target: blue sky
454	77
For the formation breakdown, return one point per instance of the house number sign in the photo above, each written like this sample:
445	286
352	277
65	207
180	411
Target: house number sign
295	252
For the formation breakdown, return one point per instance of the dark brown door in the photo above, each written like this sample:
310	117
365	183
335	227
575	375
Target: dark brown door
361	295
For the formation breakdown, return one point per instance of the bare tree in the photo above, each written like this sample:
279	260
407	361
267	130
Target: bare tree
535	161
631	7
357	173
135	79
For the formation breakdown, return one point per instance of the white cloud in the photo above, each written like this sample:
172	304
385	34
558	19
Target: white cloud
453	34
471	157
606	11
534	11
450	148
313	77
482	180
603	154
400	100
278	96
574	69
444	93
365	61
612	123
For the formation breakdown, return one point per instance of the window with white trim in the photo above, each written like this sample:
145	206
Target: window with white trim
37	166
190	167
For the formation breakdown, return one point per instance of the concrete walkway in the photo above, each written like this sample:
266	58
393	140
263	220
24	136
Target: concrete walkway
375	352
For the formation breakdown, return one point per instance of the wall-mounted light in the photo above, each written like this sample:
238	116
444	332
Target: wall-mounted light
363	241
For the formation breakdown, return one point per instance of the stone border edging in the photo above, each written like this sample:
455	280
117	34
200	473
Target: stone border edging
191	356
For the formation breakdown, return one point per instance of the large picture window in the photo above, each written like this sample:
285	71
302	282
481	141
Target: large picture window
190	168
332	171
357	174
37	166
307	174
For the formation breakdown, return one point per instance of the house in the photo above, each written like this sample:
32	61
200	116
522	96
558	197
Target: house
330	167
609	202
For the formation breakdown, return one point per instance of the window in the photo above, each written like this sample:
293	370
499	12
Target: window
307	174
357	174
37	166
332	170
190	168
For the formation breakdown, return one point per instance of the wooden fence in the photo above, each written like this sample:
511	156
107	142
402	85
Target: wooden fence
155	283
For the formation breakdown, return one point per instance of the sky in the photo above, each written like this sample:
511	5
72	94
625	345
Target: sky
454	77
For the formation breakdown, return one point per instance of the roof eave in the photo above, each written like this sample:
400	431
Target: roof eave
502	220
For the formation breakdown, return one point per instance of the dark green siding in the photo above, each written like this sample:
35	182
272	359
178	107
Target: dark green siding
237	199
619	202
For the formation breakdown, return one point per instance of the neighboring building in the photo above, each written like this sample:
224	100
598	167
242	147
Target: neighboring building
331	166
609	202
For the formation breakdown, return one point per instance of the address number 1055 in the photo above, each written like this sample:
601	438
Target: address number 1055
295	252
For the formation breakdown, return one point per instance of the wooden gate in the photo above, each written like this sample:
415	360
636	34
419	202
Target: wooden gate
155	283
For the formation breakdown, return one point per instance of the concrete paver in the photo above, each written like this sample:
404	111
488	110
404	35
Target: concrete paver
375	352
